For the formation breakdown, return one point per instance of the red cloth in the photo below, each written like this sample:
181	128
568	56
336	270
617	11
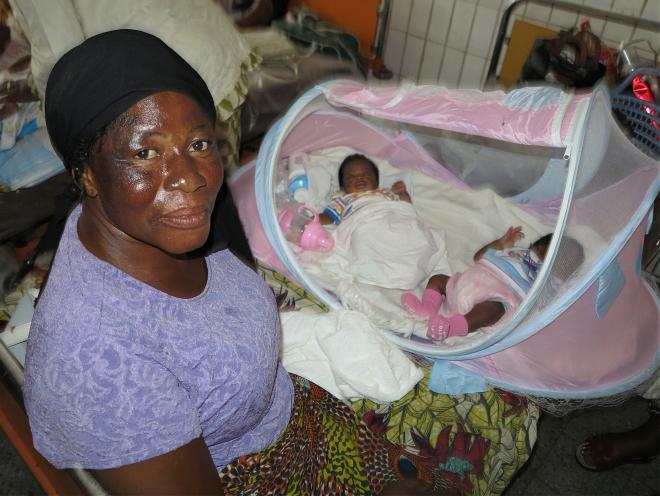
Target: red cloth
642	91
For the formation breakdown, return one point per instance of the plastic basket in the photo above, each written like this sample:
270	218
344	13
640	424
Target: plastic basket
642	118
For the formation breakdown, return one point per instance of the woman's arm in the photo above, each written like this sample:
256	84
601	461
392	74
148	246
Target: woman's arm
186	470
512	235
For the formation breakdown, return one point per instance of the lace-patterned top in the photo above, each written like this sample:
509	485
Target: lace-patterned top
118	372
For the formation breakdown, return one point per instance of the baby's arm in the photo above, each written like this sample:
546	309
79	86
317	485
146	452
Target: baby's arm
334	212
399	188
509	239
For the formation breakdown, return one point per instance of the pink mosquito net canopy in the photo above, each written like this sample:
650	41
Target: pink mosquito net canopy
588	330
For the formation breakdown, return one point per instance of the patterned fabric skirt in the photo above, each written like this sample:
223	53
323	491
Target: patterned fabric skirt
326	449
474	442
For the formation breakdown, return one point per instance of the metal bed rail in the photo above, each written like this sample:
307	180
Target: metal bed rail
649	24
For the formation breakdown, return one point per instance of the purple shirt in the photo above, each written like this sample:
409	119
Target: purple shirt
118	372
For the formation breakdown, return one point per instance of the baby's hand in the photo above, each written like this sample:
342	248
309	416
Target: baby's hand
512	235
399	188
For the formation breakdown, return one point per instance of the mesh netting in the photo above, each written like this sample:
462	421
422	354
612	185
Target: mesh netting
561	407
512	168
607	194
589	329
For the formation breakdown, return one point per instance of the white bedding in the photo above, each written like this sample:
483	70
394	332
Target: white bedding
346	355
383	243
469	219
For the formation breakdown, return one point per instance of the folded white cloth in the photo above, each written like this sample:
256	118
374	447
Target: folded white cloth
345	354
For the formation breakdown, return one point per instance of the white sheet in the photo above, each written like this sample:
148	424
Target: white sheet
346	355
383	243
469	220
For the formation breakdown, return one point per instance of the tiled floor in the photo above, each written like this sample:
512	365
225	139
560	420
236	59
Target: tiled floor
552	470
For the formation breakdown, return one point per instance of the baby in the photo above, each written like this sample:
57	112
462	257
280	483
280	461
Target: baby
380	240
358	182
480	296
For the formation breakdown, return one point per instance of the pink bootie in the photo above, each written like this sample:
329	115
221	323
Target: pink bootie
427	307
440	328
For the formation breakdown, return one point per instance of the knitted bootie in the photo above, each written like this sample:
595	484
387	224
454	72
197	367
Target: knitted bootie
427	307
440	328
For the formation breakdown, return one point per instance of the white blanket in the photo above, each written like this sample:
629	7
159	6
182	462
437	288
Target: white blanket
469	219
383	243
346	355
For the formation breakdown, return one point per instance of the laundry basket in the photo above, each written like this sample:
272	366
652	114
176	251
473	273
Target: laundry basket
641	117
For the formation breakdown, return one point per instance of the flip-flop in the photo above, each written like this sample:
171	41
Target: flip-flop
606	464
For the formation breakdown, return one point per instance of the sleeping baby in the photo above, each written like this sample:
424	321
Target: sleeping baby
358	182
379	237
488	290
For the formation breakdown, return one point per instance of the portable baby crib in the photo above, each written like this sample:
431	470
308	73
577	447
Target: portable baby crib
588	328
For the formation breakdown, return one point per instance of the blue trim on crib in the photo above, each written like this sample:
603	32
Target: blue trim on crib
498	341
649	221
507	336
588	394
610	284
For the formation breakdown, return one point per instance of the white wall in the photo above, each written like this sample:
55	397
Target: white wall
450	42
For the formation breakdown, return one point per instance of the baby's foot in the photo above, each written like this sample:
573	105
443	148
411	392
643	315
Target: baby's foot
412	304
440	328
427	307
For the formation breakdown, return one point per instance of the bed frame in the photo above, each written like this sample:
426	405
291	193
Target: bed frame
649	24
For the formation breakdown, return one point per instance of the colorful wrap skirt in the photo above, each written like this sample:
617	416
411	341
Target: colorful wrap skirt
465	444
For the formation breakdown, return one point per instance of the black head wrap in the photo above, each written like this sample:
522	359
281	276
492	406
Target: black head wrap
95	82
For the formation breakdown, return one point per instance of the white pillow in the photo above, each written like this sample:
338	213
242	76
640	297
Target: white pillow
322	166
199	30
52	28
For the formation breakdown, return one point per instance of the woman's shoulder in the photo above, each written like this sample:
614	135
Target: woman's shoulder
74	282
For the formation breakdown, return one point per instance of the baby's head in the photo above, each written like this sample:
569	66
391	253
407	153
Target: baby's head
540	246
569	258
357	174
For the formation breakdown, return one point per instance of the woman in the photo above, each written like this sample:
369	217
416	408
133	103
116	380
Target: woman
148	363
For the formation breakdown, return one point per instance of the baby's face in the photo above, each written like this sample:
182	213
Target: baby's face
359	176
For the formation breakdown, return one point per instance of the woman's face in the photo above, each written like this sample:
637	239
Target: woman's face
359	176
157	173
